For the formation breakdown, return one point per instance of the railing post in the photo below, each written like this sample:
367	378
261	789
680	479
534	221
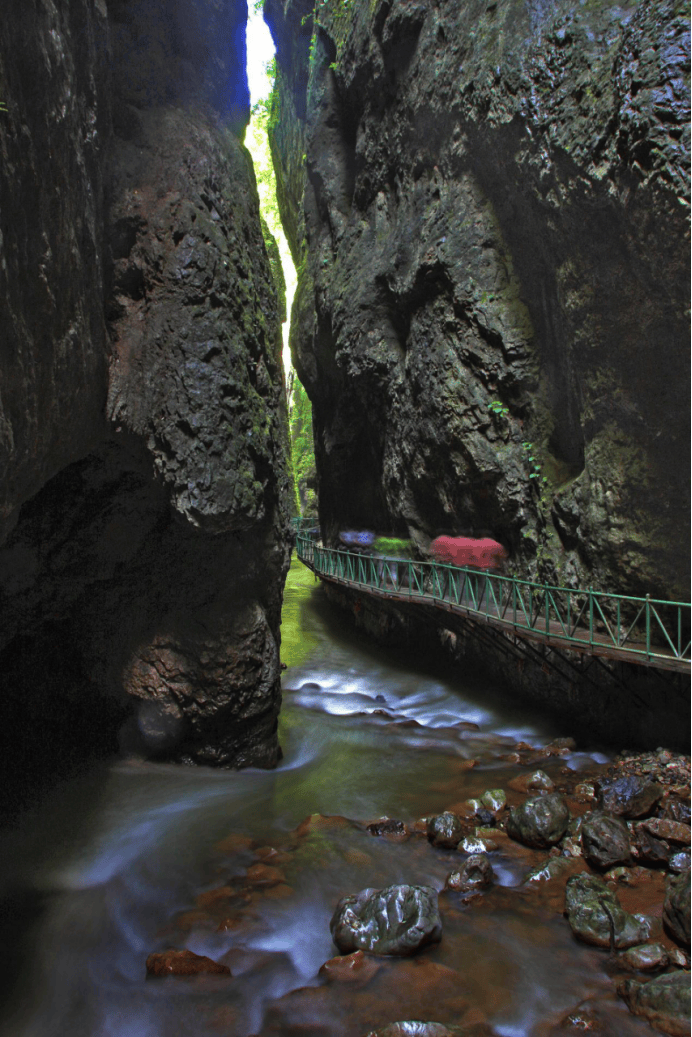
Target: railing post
648	627
618	640
590	615
514	603
547	608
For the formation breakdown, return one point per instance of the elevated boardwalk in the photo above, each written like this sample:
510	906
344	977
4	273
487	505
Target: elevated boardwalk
646	631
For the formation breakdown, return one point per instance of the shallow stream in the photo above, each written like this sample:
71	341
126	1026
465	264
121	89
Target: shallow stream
138	857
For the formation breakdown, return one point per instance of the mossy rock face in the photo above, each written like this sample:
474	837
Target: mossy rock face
596	917
539	822
473	287
664	1002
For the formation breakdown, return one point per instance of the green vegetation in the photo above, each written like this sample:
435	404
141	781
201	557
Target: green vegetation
535	468
303	449
276	265
496	407
393	546
257	142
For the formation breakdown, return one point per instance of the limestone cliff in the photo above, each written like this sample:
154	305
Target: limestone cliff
488	203
144	440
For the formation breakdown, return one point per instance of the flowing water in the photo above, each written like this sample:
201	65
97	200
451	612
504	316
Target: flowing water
138	857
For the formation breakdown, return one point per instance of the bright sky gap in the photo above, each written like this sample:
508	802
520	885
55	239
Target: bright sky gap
260	51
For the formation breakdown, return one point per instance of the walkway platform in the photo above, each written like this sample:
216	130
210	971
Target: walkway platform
644	631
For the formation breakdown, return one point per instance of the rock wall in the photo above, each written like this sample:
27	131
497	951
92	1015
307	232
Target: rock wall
144	437
488	205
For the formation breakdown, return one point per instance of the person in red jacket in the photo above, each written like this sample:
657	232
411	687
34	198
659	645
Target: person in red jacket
481	554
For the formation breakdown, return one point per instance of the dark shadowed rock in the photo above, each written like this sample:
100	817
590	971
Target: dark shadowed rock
388	826
485	817
676	908
539	822
664	1001
143	434
445	830
647	849
596	917
605	840
183	963
676	809
665	828
398	920
475	873
629	797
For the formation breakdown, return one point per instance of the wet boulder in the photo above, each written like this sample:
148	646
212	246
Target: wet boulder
664	828
485	817
679	862
647	849
596	917
493	800
356	969
630	796
676	809
663	1001
647	957
539	822
551	868
676	908
398	920
605	840
388	826
183	963
475	873
445	830
537	781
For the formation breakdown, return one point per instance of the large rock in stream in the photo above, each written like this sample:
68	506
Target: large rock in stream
539	822
398	920
630	796
445	830
676	908
605	840
664	1001
596	917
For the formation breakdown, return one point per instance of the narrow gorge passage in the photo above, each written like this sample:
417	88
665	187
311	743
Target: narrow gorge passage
240	802
247	868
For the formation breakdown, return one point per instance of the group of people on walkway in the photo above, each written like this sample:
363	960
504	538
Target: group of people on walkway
395	567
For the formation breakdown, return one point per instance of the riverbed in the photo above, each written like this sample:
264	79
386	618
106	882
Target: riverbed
137	857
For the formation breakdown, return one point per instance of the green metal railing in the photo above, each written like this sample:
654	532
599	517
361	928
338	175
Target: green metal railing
300	525
646	629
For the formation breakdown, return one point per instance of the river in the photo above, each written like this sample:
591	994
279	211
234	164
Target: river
136	857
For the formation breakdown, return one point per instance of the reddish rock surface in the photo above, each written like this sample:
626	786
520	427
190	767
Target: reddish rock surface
350	968
183	963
